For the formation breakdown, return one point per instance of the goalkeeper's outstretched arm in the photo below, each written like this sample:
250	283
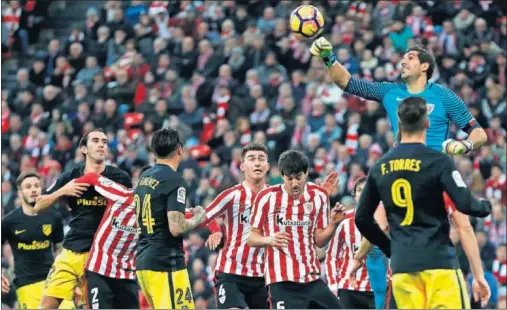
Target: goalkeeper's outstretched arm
342	77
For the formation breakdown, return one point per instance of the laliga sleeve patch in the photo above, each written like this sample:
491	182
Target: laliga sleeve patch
182	194
458	179
105	181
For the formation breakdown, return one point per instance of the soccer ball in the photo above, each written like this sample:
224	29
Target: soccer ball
306	22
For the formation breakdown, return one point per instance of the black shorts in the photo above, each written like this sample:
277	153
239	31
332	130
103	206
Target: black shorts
110	293
292	295
233	291
356	300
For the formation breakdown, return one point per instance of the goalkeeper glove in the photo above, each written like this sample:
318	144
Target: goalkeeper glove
322	48
453	147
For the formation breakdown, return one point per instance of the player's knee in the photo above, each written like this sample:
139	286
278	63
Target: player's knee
49	302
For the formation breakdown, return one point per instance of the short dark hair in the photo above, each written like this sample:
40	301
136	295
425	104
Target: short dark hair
253	146
165	142
84	139
412	114
292	162
25	176
358	183
424	57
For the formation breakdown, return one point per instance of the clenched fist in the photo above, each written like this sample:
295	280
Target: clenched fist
321	47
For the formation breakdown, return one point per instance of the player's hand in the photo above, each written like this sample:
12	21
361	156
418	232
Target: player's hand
351	272
6	285
199	214
321	47
74	189
454	147
481	290
279	240
330	183
337	213
214	240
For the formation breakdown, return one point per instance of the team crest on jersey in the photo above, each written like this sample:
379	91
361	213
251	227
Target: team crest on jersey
181	196
46	229
105	182
430	107
308	206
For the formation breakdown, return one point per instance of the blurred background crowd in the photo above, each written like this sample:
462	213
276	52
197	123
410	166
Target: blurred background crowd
230	72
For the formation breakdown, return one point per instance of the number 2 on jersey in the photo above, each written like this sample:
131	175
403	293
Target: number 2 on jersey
401	191
147	220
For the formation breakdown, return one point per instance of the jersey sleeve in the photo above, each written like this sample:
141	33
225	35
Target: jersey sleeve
457	190
58	234
364	218
457	110
323	217
59	183
220	204
108	188
177	200
369	90
260	209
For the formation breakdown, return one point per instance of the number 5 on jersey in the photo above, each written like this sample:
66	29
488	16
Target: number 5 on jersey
147	220
401	191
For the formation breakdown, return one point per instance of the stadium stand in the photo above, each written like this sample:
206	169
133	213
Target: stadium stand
228	73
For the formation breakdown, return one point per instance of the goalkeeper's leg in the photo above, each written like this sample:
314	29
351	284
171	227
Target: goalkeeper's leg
376	265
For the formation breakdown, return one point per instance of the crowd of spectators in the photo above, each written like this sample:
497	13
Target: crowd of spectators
225	73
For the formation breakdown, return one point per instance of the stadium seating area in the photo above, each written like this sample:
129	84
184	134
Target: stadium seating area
228	73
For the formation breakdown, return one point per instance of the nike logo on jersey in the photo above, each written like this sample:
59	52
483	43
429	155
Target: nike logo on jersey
17	232
399	99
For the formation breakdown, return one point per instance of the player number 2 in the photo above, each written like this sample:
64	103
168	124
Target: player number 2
401	191
147	220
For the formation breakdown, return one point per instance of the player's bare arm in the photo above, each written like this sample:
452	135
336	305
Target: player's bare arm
6	285
323	49
72	189
257	239
179	225
322	236
467	238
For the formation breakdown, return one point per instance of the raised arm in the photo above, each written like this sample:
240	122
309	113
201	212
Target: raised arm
457	190
327	223
461	116
342	77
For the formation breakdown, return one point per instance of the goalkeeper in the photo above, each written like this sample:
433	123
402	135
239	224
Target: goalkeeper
417	66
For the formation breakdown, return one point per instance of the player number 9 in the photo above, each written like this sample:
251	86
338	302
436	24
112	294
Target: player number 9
403	199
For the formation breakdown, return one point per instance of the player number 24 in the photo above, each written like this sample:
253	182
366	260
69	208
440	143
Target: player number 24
401	191
147	220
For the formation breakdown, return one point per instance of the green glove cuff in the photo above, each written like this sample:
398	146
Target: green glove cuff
329	58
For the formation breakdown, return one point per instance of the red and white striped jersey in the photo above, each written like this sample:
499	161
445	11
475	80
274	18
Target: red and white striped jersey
113	250
340	254
275	211
500	273
236	257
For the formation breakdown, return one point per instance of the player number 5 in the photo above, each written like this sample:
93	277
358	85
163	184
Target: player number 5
280	305
401	191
